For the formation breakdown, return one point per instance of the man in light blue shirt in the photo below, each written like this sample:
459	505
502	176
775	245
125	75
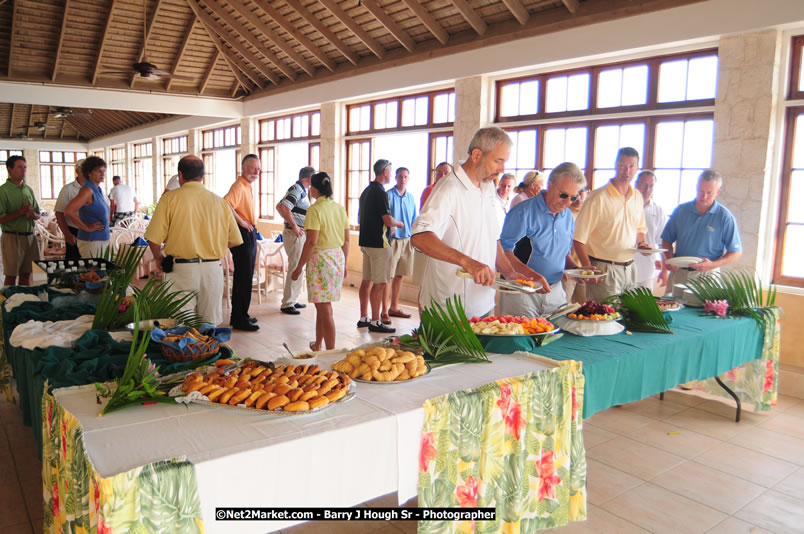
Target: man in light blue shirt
702	228
549	225
403	209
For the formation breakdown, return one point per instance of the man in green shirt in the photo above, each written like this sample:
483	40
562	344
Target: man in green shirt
18	211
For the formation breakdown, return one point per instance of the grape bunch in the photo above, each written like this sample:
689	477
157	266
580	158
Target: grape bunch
591	307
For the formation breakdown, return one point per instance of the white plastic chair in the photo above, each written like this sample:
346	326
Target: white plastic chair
47	240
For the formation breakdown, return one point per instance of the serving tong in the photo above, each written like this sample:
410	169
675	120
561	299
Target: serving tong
505	285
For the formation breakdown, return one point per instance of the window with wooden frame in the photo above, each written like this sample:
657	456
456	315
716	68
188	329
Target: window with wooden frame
663	82
173	149
788	264
56	168
418	111
220	149
358	174
294	143
4	155
143	183
117	166
441	150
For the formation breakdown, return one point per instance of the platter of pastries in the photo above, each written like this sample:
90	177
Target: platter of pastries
265	388
382	365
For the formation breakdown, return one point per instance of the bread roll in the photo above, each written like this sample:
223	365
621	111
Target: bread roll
252	398
318	402
223	399
263	400
282	389
221	363
195	386
335	395
294	394
278	402
240	397
308	395
213	395
206	389
299	406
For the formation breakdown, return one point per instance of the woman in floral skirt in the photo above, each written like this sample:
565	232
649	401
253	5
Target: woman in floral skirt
324	253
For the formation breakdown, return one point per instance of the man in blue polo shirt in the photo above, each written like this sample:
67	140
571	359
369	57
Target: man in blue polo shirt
403	209
704	229
549	225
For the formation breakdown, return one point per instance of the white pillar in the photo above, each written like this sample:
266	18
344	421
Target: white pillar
331	157
472	111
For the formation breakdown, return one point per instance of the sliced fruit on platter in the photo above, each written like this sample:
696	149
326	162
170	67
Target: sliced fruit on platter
510	325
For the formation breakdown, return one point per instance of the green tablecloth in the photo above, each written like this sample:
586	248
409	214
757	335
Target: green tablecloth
625	368
96	357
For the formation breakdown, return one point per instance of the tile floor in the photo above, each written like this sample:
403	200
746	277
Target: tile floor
681	465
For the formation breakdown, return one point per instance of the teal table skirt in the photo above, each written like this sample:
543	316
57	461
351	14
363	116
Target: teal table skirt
96	357
625	368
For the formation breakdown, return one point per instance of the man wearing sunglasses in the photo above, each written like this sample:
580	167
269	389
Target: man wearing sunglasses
611	220
549	226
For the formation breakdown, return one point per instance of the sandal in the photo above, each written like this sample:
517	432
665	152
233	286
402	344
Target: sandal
399	313
312	347
385	319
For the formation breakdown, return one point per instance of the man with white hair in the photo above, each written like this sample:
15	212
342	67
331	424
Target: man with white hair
68	227
547	222
458	227
702	228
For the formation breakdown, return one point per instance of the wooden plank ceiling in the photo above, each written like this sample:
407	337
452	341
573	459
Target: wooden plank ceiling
34	122
237	48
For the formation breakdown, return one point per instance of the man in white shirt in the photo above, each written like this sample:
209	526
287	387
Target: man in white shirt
123	203
458	227
172	184
504	188
655	219
68	228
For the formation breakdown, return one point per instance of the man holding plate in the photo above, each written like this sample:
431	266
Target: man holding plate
547	222
703	230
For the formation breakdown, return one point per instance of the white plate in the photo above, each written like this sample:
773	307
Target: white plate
576	273
683	261
649	250
395	381
670	302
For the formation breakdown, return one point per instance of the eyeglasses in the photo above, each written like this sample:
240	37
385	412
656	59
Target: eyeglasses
565	196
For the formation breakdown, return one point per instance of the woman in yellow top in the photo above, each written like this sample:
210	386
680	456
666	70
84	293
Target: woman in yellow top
324	253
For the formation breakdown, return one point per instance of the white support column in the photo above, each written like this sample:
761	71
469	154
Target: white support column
32	177
472	111
158	180
332	148
745	126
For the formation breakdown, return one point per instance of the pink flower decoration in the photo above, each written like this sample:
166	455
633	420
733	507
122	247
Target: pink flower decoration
718	307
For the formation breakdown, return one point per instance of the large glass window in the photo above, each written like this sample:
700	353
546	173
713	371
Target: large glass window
173	149
220	153
56	168
4	155
683	150
143	173
418	111
358	174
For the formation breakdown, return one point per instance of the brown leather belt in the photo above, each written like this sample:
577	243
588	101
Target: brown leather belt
17	233
620	263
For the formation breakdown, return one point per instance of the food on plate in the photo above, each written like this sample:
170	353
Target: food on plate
645	246
528	283
594	311
380	364
192	333
589	272
508	325
289	388
90	276
668	305
304	356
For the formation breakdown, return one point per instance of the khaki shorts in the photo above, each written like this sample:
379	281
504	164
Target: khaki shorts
377	264
19	253
401	257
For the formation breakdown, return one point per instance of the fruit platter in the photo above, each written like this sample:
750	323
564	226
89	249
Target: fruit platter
594	311
509	325
382	365
263	387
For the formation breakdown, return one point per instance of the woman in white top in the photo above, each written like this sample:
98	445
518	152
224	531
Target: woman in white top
530	187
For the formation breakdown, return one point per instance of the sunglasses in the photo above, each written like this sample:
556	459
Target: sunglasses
565	196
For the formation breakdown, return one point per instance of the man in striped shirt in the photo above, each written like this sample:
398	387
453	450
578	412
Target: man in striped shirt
293	208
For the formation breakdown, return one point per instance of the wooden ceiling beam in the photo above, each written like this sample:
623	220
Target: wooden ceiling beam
235	43
182	50
375	47
471	16
211	68
61	41
321	28
12	42
285	25
517	10
429	22
218	36
571	5
61	134
149	26
103	42
389	24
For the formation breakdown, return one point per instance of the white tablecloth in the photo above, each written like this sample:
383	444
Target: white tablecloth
347	455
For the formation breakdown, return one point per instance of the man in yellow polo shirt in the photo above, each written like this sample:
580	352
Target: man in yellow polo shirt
241	198
196	227
611	220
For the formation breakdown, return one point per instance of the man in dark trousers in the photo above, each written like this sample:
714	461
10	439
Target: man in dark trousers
241	198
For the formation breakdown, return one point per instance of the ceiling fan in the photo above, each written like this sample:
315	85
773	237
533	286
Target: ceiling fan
42	126
63	113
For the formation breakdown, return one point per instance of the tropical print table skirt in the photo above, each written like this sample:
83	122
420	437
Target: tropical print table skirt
159	497
515	445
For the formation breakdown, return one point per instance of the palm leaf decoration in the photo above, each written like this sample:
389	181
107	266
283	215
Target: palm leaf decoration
446	336
640	311
157	301
742	289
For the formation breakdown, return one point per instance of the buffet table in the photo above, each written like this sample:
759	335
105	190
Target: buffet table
207	457
624	368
